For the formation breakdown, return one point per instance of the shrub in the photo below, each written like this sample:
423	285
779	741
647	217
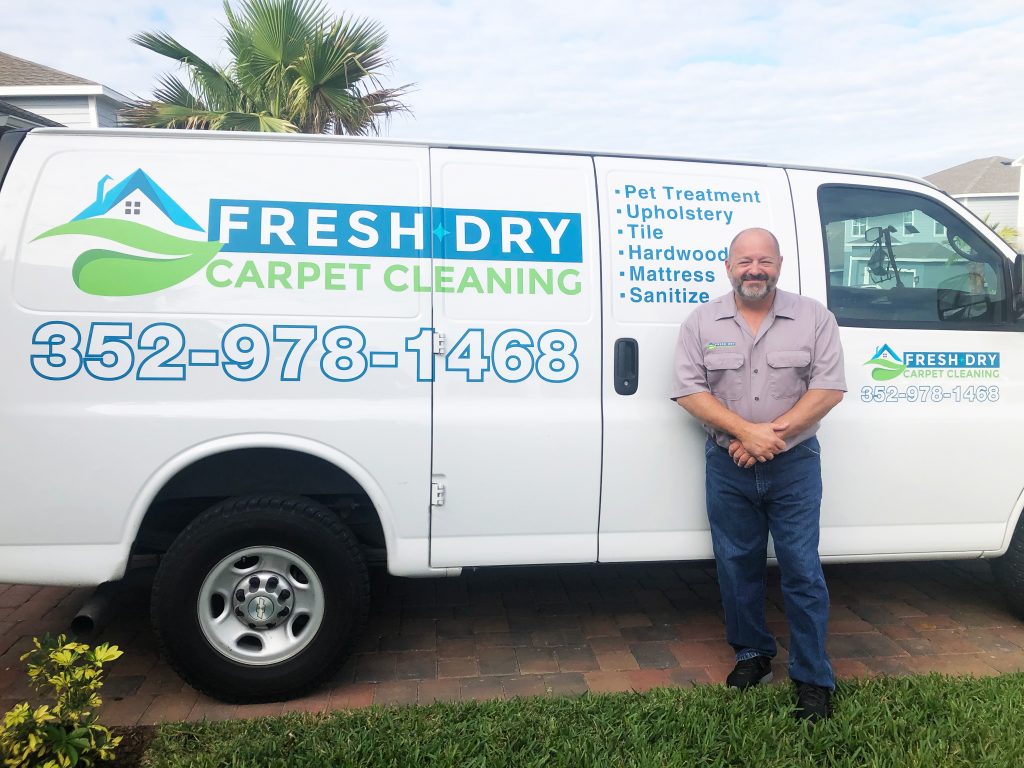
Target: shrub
65	733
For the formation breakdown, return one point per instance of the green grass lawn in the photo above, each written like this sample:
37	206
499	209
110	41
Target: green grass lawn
901	722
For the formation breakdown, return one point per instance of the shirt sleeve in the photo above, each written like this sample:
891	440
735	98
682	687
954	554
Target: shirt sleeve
827	369
688	373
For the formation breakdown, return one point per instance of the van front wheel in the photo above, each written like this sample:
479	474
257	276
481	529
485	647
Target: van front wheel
260	597
1009	571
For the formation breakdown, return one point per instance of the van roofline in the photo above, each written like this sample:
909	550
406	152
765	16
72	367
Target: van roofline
312	137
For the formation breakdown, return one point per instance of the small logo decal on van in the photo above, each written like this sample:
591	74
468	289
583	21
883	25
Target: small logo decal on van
161	259
887	364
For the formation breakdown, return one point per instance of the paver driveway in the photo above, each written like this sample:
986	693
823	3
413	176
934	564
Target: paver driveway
557	630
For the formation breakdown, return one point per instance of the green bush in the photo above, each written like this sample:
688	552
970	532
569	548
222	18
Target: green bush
66	733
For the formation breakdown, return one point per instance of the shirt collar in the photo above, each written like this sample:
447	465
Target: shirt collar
784	305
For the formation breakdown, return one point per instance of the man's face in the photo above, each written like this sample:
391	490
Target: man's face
753	266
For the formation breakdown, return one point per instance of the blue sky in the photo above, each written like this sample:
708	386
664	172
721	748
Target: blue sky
910	87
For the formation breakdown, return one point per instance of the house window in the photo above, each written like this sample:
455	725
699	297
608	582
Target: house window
940	229
908	224
858	227
132	208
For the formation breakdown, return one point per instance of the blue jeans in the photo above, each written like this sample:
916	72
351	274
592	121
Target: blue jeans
782	496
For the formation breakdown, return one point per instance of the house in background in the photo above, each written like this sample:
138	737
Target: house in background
56	97
989	186
14	118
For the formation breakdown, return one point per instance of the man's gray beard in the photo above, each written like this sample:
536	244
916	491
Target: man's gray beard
768	286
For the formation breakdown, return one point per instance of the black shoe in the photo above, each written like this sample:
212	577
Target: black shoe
750	672
813	703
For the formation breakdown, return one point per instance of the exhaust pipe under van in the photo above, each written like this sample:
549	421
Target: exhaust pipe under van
95	611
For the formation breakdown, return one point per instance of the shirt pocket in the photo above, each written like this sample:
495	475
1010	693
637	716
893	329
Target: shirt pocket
787	373
725	376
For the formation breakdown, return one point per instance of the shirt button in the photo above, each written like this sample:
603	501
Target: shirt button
757	398
755	370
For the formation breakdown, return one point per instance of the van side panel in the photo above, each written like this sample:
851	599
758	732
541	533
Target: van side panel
160	293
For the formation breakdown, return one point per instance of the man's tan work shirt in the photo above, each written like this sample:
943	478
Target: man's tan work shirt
759	377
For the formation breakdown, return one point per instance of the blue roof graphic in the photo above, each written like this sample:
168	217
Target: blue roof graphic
138	180
884	349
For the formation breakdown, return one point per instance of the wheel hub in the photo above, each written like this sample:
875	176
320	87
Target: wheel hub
263	599
261	605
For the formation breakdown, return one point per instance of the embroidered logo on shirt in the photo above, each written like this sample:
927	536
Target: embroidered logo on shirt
712	345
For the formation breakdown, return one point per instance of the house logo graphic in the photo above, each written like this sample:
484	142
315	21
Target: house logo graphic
141	182
887	364
135	214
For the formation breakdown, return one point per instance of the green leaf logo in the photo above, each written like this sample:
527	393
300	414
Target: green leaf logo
885	369
104	272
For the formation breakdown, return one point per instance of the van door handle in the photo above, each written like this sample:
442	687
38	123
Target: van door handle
627	366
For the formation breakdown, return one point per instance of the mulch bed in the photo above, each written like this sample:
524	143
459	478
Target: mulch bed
134	741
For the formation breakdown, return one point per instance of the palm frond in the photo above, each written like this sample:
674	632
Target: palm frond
172	94
172	91
155	114
213	80
250	121
165	45
279	33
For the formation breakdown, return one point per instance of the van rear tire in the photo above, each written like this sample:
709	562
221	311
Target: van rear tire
260	598
1009	571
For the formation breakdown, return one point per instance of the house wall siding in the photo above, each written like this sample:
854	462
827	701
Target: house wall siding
72	111
1001	210
106	113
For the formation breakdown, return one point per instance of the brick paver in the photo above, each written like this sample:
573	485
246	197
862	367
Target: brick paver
556	631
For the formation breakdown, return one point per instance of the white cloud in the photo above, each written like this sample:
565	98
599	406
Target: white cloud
901	86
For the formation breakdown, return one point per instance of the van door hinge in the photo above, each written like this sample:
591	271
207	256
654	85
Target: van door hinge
440	343
437	494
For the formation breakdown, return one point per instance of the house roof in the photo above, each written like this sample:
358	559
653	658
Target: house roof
984	176
24	114
15	71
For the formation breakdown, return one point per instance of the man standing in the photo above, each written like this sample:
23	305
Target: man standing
759	368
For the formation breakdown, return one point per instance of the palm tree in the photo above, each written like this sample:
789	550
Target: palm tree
294	68
1005	231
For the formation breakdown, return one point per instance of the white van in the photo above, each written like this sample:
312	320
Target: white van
274	359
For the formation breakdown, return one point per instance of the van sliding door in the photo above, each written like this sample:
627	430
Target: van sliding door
666	228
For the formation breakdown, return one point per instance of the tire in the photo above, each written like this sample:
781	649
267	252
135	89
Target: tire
1009	571
260	598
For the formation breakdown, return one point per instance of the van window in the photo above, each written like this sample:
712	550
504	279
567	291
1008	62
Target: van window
902	260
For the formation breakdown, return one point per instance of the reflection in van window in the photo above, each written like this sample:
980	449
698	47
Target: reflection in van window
904	260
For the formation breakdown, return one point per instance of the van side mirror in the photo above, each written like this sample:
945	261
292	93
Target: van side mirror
962	297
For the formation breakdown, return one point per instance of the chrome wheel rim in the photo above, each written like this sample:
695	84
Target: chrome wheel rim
260	605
